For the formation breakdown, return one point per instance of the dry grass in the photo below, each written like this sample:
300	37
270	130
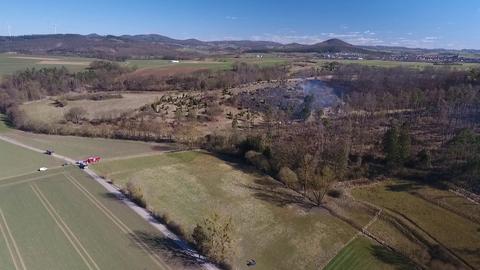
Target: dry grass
454	231
63	63
45	110
269	227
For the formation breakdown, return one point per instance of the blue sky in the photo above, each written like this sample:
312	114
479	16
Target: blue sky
411	23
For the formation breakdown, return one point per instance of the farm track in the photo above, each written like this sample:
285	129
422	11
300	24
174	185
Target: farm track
447	207
10	241
71	237
120	225
418	227
26	180
150	154
142	212
415	227
363	231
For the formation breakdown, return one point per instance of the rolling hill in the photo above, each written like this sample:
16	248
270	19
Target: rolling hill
158	46
328	46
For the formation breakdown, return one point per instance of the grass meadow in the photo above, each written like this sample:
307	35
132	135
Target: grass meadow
10	63
44	111
362	254
269	227
447	227
221	63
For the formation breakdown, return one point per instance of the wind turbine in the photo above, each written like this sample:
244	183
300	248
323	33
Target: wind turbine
55	28
9	28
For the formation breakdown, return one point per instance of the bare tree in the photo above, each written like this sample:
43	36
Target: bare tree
321	183
75	114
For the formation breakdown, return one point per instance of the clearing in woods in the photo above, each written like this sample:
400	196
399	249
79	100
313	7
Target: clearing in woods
62	219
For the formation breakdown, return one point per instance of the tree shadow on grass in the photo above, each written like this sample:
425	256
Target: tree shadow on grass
264	187
6	121
237	163
173	250
165	147
390	257
169	248
404	187
271	191
110	195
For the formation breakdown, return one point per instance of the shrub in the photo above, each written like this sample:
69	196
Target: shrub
135	193
251	143
258	160
75	114
335	193
287	176
250	155
424	159
214	238
170	224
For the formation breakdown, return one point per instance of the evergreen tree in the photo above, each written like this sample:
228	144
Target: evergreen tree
404	144
390	147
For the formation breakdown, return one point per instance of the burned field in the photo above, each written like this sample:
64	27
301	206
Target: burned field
295	101
220	110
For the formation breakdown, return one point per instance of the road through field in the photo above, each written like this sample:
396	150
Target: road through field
140	211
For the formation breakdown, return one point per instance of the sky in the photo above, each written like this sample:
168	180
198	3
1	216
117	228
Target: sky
411	23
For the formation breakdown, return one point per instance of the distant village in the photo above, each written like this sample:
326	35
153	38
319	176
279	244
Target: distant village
437	59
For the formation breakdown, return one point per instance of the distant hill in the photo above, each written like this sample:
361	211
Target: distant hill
158	46
101	46
328	46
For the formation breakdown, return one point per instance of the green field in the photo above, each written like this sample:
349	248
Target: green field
9	63
450	229
81	147
15	160
62	219
221	63
188	186
362	254
162	64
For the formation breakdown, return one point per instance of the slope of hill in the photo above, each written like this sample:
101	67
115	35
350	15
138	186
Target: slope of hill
328	46
162	47
99	46
157	46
